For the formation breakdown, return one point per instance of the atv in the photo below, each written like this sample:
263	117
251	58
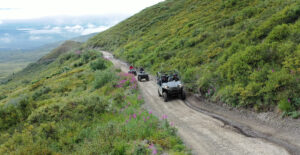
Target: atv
132	71
169	85
142	75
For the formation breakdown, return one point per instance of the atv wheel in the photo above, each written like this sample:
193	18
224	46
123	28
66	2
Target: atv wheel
183	96
147	78
139	78
165	95
159	93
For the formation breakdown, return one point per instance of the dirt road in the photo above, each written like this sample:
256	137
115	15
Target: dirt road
202	133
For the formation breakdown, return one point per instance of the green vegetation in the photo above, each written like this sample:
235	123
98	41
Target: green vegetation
244	53
14	61
77	103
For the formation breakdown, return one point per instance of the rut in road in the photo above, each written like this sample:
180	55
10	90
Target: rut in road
200	132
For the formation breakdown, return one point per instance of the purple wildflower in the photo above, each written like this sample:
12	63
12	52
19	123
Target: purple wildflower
78	52
154	151
134	116
289	100
208	91
132	80
139	97
150	112
273	70
122	81
164	117
148	117
172	124
151	146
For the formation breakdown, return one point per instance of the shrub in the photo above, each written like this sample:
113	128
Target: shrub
40	92
90	55
25	81
295	114
65	57
2	97
285	105
103	77
99	64
15	111
279	33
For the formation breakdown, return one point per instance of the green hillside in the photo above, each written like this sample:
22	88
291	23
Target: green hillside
241	52
78	103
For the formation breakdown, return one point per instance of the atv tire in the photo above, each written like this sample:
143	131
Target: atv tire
165	95
183	95
159	93
139	78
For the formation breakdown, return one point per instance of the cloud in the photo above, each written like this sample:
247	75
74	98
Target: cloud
34	38
90	30
74	29
91	25
30	9
6	38
47	27
1	22
45	30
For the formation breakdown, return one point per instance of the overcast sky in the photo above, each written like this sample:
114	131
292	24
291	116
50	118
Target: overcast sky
31	23
28	9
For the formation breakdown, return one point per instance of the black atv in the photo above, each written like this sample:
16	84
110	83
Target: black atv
170	85
142	75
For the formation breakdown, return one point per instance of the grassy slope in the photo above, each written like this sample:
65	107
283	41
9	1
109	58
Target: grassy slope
244	53
78	104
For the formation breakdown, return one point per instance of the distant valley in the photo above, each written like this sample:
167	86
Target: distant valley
14	60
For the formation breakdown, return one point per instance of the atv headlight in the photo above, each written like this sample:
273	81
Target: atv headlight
166	87
180	85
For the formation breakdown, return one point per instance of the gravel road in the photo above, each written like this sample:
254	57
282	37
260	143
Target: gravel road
202	133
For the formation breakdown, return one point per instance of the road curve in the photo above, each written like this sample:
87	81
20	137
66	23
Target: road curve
202	133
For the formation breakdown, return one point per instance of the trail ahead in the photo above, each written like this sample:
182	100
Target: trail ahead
202	133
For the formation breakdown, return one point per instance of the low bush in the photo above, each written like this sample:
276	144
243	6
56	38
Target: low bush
98	64
15	111
90	55
103	77
285	105
2	97
42	91
279	33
